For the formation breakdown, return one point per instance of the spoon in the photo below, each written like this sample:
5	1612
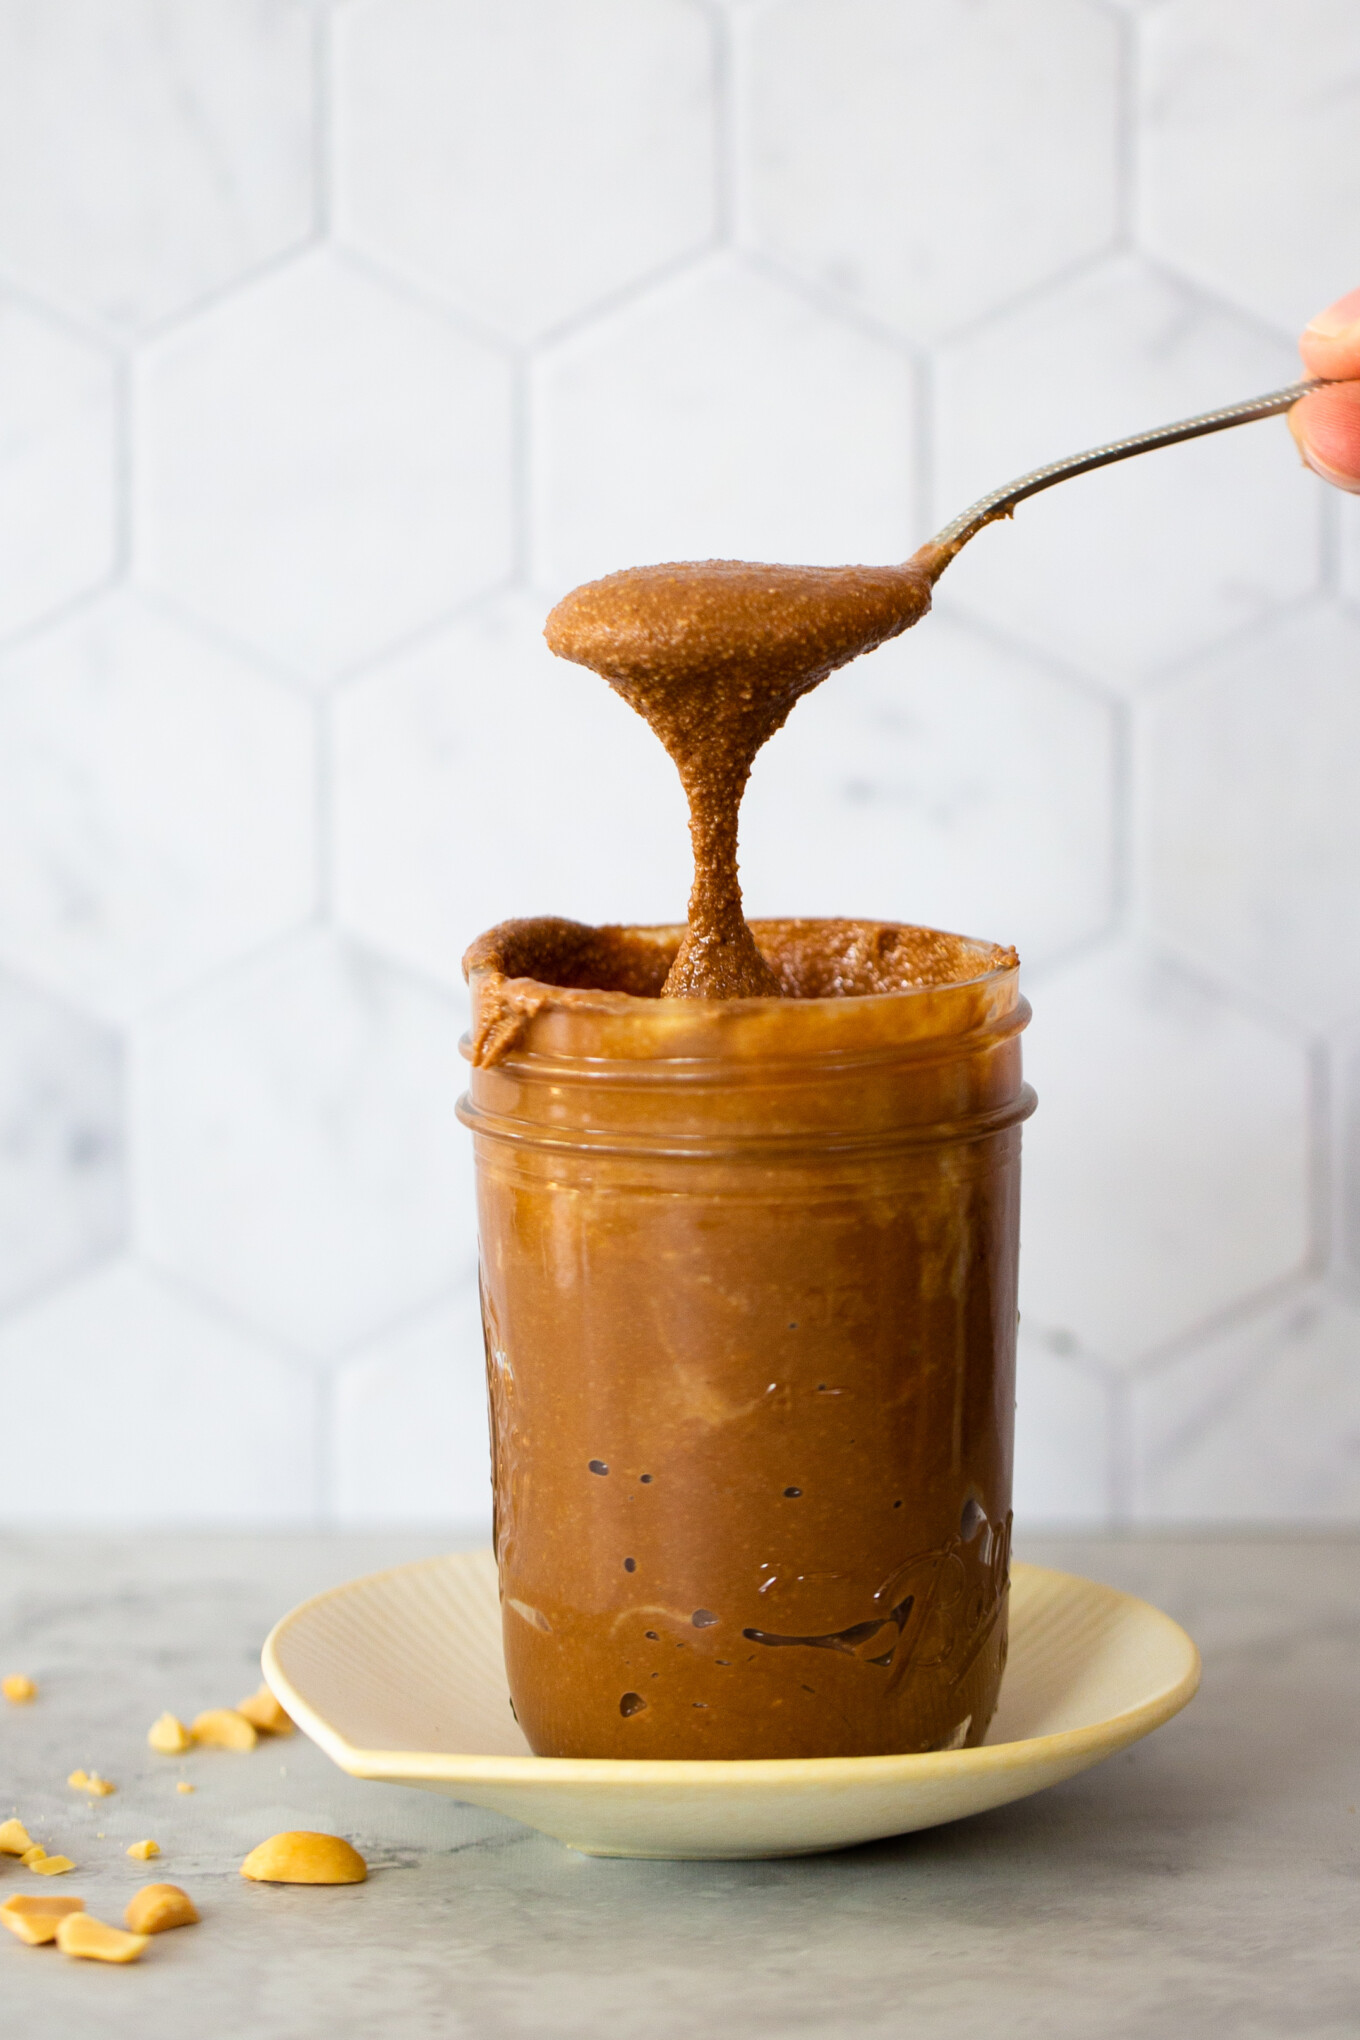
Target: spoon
1001	502
713	654
647	629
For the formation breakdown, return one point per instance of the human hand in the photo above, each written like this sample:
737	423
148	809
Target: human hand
1326	425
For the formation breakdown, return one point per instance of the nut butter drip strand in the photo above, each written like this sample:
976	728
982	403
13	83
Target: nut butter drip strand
713	654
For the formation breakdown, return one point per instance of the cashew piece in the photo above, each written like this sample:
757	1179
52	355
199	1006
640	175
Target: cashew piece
299	1857
224	1729
79	1934
34	1917
158	1907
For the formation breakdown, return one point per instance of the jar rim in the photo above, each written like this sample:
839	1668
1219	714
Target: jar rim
516	1014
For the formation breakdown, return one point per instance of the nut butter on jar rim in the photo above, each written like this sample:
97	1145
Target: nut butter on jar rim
748	1281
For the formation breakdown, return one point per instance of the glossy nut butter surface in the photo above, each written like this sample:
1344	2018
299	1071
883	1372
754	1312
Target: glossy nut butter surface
749	1285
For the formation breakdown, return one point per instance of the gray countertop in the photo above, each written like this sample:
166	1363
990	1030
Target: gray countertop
1203	1883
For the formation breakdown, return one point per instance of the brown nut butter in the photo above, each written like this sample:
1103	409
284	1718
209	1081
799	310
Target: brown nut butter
748	1209
713	654
749	1287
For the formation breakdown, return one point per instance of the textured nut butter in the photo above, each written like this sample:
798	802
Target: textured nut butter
748	1215
714	654
749	1284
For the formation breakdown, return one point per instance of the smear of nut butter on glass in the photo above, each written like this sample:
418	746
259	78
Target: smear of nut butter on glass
713	654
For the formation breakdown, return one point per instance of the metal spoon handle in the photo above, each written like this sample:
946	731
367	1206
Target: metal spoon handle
1001	502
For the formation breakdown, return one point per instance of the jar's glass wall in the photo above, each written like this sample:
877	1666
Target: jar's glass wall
751	1372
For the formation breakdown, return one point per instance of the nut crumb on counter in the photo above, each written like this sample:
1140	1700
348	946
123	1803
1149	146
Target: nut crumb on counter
168	1736
90	1781
263	1712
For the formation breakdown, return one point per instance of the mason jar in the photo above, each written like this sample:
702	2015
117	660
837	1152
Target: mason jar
748	1276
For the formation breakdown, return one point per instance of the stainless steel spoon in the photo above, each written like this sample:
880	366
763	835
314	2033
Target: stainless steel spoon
1001	502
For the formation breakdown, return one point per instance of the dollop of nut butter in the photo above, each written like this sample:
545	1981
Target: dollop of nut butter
713	654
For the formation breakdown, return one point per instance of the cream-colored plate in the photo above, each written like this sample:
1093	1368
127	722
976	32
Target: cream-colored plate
399	1677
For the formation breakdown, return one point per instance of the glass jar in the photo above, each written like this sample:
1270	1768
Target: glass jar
749	1292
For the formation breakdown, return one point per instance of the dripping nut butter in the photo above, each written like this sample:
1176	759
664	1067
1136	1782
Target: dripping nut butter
748	1216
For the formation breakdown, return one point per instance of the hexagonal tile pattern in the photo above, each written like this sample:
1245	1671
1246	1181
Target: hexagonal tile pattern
63	1193
57	426
149	155
410	1424
722	416
1062	1439
1248	172
156	807
942	779
479	778
181	1419
325	466
1143	563
1259	1424
584	127
1250	822
300	1158
928	163
1166	1169
353	332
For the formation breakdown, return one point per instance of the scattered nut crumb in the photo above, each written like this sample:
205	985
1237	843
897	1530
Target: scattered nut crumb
34	1853
224	1729
15	1840
79	1934
144	1851
51	1866
34	1916
158	1907
19	1689
299	1857
168	1735
185	1786
263	1712
90	1781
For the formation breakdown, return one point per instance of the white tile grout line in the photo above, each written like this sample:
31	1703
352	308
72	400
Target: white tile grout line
1123	814
124	469
255	276
722	58
1128	136
324	798
522	439
63	612
323	124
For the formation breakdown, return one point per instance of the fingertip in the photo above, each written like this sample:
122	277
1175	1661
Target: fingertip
1338	319
1330	343
1326	429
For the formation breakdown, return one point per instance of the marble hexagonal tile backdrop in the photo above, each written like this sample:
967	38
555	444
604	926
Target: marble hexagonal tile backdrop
338	338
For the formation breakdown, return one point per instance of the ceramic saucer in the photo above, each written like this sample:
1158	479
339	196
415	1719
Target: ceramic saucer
399	1677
